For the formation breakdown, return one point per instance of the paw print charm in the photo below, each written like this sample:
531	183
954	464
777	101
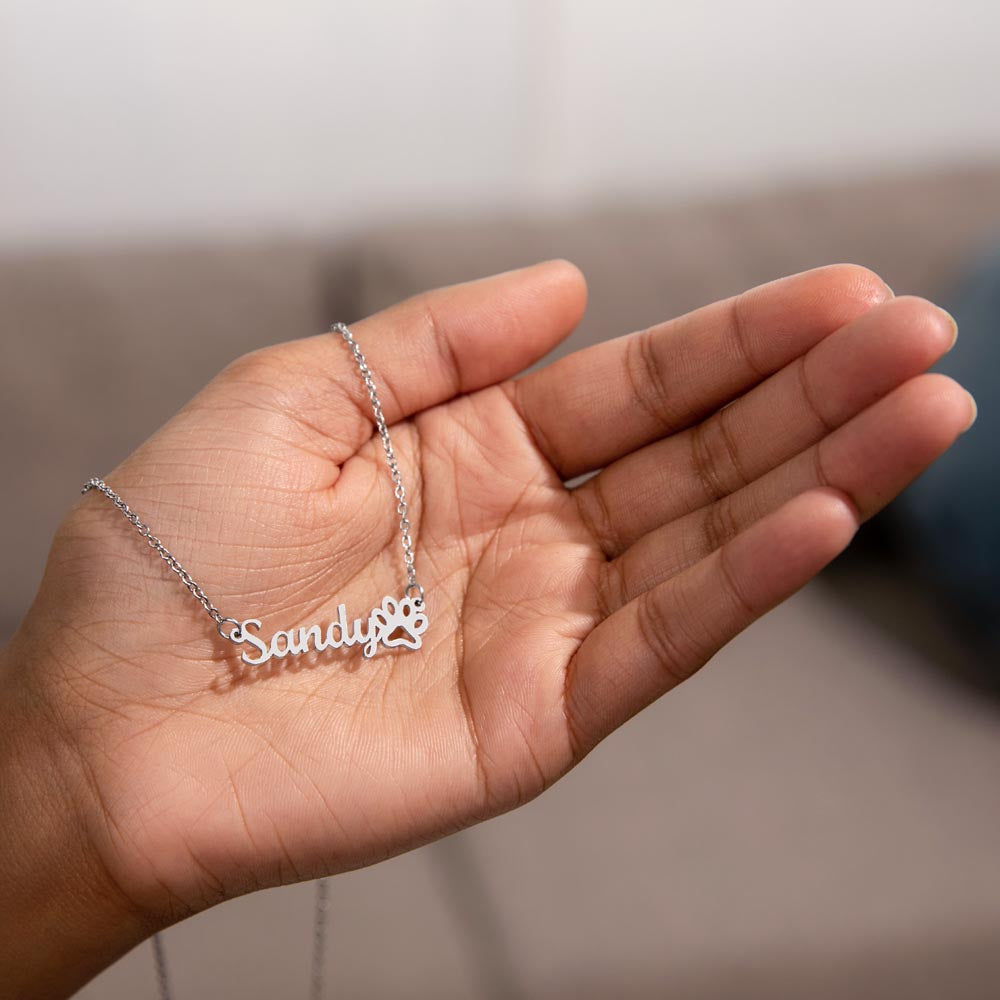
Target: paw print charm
400	623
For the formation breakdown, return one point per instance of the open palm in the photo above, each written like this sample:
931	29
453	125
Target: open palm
740	446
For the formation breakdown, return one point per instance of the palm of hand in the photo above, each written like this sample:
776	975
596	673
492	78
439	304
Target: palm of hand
554	614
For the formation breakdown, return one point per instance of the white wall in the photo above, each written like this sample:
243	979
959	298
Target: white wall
131	118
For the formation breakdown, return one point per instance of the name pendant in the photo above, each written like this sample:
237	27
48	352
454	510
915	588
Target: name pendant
392	624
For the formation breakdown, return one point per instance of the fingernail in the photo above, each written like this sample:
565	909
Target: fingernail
974	412
954	329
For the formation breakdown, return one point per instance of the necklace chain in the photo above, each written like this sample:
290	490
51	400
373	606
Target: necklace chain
399	491
319	939
320	906
413	590
159	548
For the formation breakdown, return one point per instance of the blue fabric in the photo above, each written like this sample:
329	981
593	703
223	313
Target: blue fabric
952	513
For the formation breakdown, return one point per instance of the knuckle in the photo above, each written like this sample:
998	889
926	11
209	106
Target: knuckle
718	526
593	507
613	591
810	397
663	637
426	306
734	588
715	457
647	379
741	335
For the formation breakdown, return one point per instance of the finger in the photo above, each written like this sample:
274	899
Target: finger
596	405
422	351
793	409
870	459
664	635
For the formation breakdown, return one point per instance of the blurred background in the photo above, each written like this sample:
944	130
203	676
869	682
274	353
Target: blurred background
814	816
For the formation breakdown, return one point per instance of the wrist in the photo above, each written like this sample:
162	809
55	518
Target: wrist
63	918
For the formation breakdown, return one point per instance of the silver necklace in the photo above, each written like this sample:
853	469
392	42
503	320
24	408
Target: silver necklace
393	623
318	948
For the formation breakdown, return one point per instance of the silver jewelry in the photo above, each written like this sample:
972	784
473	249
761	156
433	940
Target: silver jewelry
315	967
393	623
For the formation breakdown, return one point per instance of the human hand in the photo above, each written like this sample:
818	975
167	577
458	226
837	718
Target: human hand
740	447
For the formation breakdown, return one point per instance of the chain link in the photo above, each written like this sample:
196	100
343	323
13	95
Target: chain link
164	553
399	491
160	968
320	908
319	939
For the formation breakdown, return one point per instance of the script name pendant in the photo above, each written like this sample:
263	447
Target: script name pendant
392	624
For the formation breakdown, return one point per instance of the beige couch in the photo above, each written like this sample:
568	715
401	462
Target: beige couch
815	815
